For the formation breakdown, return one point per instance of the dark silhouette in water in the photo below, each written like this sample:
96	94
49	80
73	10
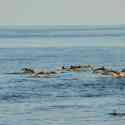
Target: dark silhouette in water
71	68
115	113
28	70
123	70
104	71
63	67
23	71
78	68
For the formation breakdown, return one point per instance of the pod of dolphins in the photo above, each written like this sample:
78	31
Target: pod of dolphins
79	68
75	68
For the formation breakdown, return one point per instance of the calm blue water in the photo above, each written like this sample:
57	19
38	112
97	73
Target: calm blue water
25	100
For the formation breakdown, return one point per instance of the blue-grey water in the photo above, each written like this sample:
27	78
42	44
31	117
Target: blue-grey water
60	100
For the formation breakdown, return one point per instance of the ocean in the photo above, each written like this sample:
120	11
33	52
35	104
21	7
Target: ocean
69	98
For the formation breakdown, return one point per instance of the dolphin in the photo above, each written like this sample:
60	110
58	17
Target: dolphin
104	71
115	113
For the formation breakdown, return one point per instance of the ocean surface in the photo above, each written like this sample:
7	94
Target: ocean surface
71	98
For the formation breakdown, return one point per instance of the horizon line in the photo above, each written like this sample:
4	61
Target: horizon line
61	46
62	24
